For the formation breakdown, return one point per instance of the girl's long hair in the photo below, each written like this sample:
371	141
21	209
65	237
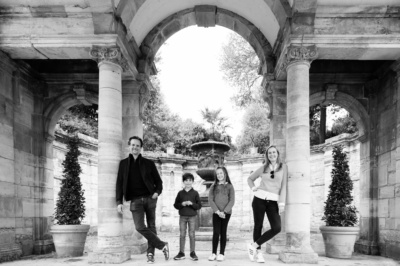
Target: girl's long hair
227	179
268	162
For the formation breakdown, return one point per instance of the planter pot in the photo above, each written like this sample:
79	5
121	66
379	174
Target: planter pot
339	241
69	240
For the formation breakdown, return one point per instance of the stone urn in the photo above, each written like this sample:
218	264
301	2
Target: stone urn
339	240
210	154
69	240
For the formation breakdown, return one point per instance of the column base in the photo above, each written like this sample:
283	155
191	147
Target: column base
43	247
135	245
10	252
366	247
112	256
277	244
295	257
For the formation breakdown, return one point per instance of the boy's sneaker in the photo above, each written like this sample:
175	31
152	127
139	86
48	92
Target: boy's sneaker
180	256
220	257
251	251
165	250
193	256
150	258
212	257
260	257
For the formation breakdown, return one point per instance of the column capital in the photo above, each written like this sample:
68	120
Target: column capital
110	54
300	54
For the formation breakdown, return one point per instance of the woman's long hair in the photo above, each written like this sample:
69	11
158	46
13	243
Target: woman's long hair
268	162
227	179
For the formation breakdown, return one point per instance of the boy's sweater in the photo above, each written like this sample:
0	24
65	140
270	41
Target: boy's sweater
191	195
222	198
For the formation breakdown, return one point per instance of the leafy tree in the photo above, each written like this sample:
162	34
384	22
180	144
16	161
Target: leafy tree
240	63
80	119
217	123
255	132
339	210
70	206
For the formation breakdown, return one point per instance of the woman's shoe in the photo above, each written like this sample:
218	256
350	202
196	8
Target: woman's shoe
220	257
260	257
212	257
251	251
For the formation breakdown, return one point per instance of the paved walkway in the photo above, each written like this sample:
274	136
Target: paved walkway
235	255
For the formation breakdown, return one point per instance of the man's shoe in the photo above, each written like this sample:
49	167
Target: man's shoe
260	257
180	256
193	256
220	257
150	258
251	251
165	250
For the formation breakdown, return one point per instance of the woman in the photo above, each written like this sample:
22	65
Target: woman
269	198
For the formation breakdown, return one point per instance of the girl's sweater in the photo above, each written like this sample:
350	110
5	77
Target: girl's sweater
223	198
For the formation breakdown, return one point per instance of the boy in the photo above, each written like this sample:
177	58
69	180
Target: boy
187	202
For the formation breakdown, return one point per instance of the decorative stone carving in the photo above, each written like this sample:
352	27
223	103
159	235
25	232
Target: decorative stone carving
330	91
144	93
296	54
109	54
80	90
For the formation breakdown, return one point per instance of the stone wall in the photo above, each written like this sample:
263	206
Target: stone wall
26	184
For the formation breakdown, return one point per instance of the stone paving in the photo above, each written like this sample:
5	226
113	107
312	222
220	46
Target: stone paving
235	255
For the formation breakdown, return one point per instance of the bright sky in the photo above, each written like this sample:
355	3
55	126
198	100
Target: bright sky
190	77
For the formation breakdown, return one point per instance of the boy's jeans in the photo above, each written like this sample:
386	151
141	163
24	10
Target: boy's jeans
183	222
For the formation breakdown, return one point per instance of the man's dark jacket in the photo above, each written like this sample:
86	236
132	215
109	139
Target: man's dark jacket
150	175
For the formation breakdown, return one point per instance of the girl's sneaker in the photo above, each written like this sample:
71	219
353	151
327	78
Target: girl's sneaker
260	257
220	257
251	251
212	257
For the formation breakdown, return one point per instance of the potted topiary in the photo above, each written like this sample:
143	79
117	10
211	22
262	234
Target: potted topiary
69	235
340	232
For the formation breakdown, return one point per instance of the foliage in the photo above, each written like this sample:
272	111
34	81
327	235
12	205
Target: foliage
341	124
239	63
217	123
80	119
255	132
338	208
70	208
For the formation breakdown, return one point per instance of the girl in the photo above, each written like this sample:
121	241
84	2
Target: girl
272	190
221	198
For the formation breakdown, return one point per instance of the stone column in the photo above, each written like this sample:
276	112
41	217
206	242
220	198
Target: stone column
135	94
275	94
110	246
298	210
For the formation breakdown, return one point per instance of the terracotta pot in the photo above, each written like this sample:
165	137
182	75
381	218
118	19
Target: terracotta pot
69	240
339	241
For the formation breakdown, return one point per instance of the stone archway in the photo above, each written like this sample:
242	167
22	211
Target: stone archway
206	16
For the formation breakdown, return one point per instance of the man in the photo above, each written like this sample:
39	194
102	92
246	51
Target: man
139	182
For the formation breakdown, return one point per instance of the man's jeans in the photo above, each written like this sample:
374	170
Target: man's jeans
139	208
183	222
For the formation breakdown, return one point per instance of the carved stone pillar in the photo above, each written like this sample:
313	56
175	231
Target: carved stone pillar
298	210
135	94
110	247
369	220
